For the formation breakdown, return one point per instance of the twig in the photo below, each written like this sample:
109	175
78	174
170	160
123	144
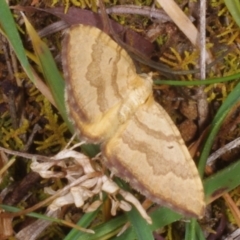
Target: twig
235	143
157	14
50	199
203	39
36	128
202	98
233	207
25	155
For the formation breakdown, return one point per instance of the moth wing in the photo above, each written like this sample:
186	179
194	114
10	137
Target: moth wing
98	72
149	152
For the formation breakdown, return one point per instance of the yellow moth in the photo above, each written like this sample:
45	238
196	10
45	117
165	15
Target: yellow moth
110	104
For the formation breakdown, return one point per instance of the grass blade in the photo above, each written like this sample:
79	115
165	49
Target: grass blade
139	225
85	221
227	105
234	8
9	27
221	182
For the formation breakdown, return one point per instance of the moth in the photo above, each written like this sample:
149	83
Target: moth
110	104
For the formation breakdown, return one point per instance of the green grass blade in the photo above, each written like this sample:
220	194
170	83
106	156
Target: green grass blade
227	105
85	221
198	82
52	75
190	230
105	230
234	8
141	228
223	181
193	231
33	214
9	27
199	232
161	217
